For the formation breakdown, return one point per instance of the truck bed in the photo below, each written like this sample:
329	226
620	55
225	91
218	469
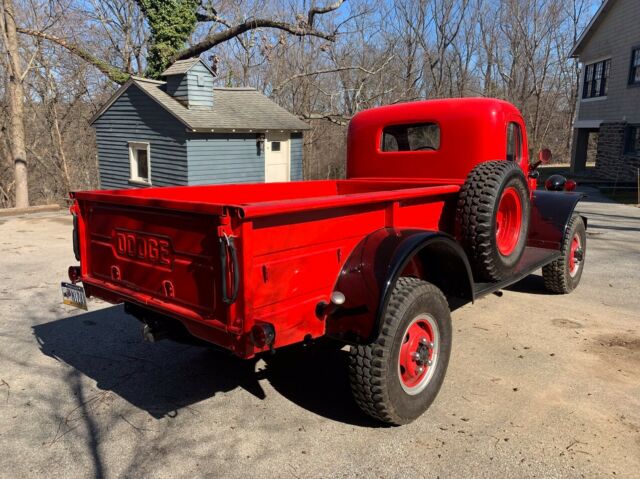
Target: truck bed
261	199
160	248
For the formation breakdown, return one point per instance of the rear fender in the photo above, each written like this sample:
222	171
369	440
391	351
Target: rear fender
550	215
371	271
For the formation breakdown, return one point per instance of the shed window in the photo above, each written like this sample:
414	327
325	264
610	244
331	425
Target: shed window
275	146
200	80
514	142
634	73
632	145
416	137
596	79
140	162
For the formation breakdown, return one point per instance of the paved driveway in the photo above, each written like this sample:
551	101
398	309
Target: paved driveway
538	385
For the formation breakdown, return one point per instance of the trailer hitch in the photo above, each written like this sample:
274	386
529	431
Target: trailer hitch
229	254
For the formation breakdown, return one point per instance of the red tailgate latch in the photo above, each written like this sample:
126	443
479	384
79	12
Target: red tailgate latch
169	290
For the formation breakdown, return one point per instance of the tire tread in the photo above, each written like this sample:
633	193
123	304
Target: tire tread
475	214
368	364
554	274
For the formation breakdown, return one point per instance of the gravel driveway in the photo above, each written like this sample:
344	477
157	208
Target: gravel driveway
538	385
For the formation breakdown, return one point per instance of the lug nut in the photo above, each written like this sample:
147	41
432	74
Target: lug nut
429	362
419	370
415	356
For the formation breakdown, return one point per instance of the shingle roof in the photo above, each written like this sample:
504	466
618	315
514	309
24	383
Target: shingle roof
233	109
181	66
604	7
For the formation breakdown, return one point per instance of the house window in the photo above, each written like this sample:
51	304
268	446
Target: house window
632	145
418	137
596	79
634	73
275	146
514	142
140	162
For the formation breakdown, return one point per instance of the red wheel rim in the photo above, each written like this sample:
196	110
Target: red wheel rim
575	255
418	354
508	221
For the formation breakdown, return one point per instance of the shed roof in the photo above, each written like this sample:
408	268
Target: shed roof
238	109
183	66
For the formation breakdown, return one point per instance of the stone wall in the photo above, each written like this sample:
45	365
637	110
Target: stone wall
611	162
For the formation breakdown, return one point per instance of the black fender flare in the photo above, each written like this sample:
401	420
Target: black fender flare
370	273
551	212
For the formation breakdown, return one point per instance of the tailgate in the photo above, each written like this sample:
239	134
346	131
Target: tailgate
171	256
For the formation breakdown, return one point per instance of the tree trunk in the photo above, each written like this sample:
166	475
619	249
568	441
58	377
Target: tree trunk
15	91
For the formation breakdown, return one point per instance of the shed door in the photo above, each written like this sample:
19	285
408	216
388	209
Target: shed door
277	157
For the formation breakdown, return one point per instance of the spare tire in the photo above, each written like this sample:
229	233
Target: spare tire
493	218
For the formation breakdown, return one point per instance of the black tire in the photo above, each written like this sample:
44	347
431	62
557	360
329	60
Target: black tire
374	369
477	212
558	276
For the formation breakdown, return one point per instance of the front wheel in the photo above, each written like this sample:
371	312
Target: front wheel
396	378
563	275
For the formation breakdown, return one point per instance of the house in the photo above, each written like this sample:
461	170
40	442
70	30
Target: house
185	131
609	94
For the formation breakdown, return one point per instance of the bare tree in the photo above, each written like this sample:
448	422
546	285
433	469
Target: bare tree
15	97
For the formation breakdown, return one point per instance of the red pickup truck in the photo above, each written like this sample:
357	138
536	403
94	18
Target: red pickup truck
438	209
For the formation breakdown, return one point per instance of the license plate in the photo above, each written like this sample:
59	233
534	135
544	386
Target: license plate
73	295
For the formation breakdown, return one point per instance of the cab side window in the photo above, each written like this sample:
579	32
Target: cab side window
514	142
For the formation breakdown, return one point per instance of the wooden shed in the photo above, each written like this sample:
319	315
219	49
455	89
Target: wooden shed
185	131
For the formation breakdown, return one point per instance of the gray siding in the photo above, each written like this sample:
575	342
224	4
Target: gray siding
177	87
185	87
617	33
296	156
136	117
224	158
200	96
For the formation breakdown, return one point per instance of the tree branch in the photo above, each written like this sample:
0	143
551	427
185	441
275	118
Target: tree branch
320	10
336	119
300	29
333	70
211	17
113	73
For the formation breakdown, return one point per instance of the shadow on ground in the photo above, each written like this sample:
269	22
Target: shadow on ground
532	284
166	377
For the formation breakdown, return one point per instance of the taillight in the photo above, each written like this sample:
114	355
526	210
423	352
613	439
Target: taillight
570	185
263	334
74	274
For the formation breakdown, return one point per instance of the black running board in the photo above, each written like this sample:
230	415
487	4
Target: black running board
532	260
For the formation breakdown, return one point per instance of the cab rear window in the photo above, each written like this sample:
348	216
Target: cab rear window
414	137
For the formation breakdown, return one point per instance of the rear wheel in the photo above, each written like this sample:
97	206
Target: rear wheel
563	275
493	217
396	378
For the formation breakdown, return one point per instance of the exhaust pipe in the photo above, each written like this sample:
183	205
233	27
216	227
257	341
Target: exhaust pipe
153	334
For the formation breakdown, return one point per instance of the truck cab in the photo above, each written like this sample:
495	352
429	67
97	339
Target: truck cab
435	140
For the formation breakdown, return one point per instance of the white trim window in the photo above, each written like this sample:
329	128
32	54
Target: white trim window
140	162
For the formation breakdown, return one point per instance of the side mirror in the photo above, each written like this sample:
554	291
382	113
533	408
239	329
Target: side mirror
544	157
